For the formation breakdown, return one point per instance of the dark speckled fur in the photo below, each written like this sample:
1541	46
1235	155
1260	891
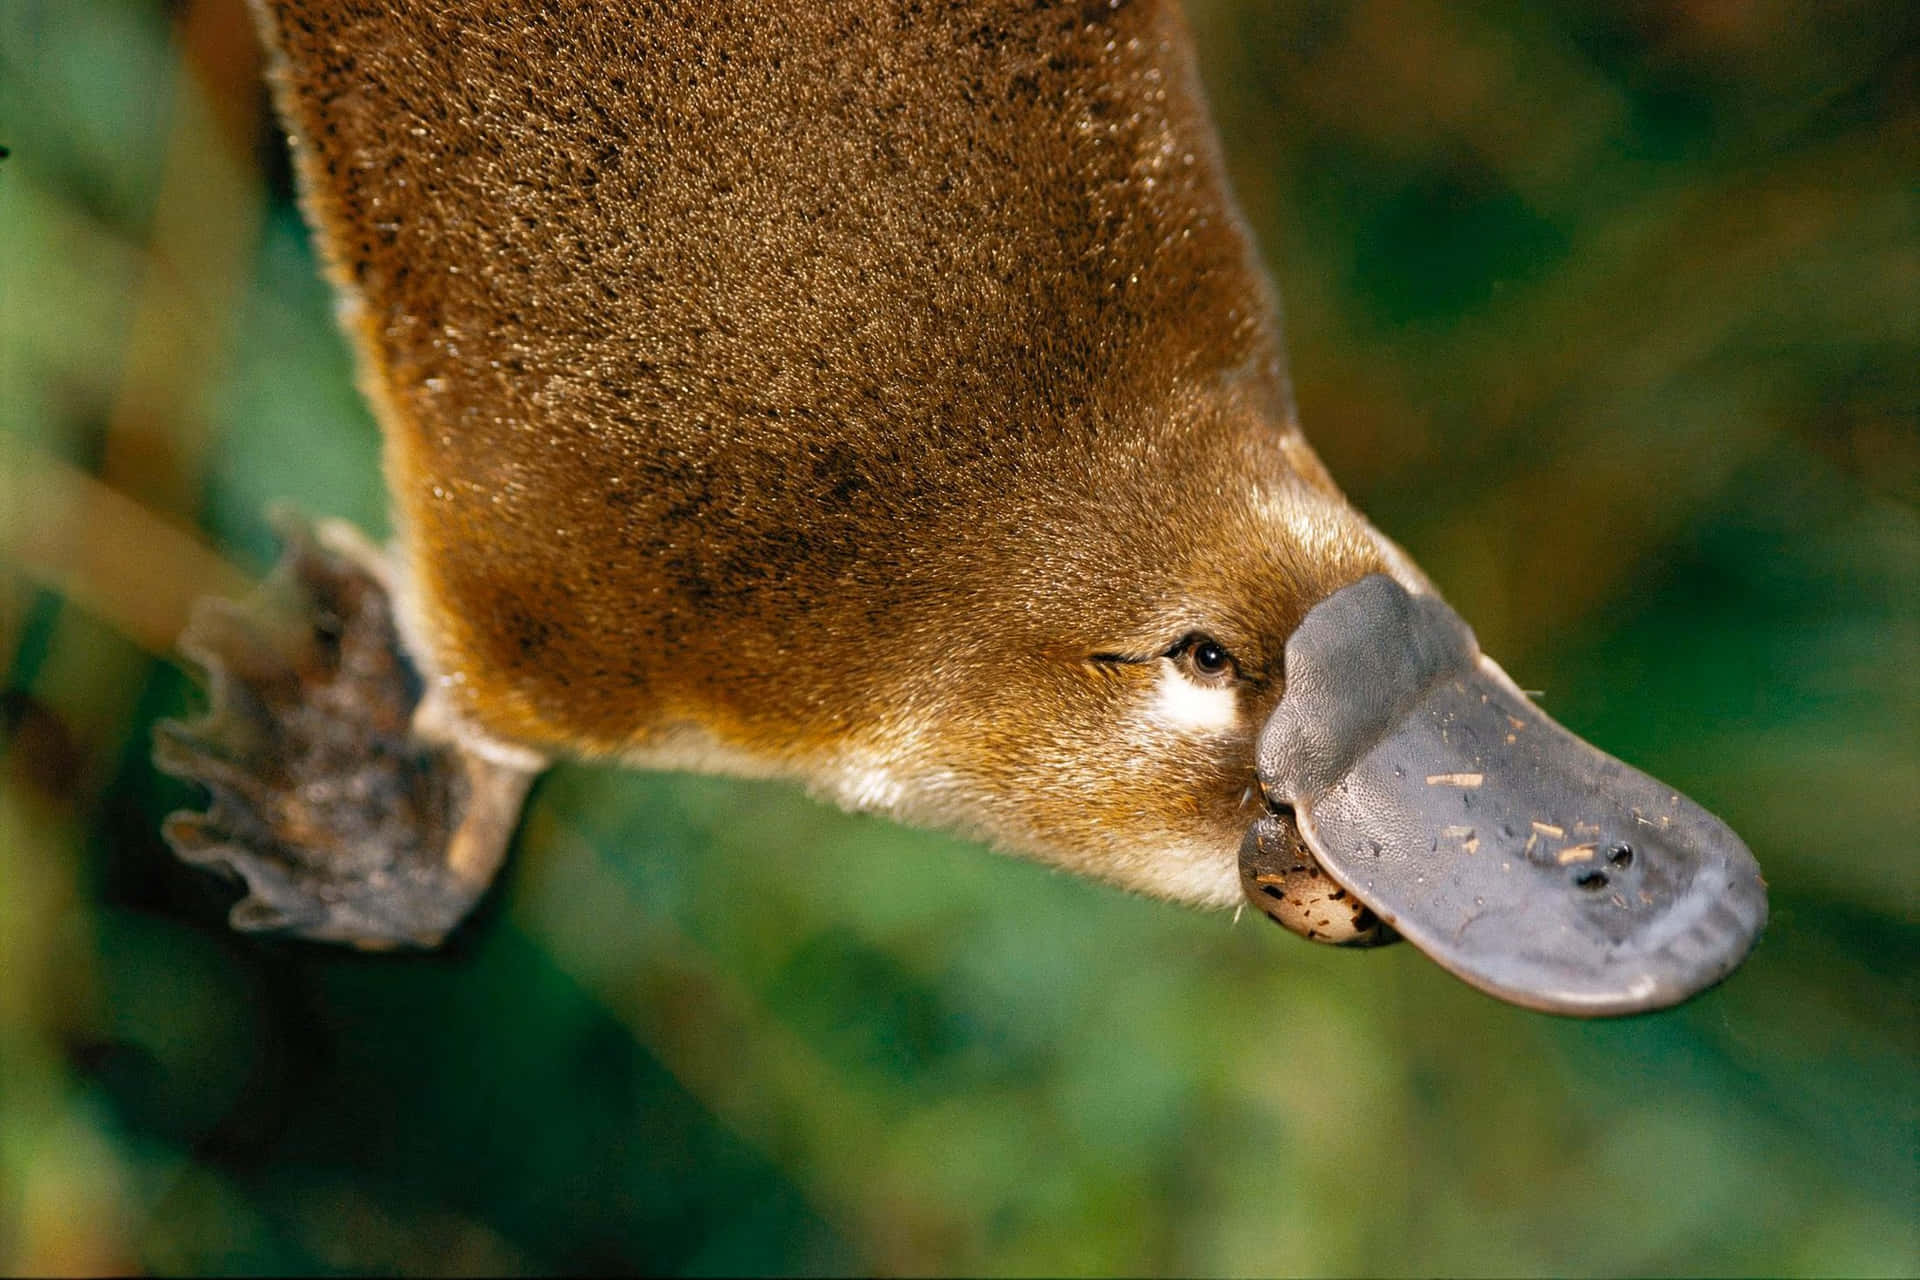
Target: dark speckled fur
772	386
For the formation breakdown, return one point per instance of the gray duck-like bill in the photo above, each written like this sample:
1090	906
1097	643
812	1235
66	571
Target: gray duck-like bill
1519	857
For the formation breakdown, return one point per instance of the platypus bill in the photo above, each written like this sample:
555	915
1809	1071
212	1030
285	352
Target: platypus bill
886	397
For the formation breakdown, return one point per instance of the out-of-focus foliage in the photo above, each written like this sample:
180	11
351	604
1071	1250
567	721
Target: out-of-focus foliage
1607	310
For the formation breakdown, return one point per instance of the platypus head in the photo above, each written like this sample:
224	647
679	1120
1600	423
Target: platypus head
1204	675
1121	640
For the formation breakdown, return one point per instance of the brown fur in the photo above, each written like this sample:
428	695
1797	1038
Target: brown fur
820	389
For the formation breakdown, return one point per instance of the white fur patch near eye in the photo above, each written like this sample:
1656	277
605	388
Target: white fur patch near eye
1193	708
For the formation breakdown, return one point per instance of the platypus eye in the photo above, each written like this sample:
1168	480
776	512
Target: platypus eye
1204	657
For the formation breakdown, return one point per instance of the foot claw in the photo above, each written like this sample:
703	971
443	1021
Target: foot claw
344	826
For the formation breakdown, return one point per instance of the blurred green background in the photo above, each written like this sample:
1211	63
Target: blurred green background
1607	310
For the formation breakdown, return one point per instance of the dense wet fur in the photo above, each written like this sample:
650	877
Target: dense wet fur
831	390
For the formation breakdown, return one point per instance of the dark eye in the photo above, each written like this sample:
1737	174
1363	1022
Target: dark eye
1205	657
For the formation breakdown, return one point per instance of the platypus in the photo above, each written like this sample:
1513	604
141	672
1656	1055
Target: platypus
886	396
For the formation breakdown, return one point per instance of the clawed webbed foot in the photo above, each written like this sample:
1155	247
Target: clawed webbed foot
345	825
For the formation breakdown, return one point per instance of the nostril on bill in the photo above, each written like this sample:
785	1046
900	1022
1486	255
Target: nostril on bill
1591	879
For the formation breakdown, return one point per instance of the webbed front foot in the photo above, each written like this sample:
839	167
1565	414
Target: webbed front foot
345	824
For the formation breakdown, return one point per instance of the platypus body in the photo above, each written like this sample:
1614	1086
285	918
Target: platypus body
889	397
